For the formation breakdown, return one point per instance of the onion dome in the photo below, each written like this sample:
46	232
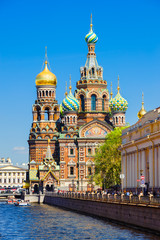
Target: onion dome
70	103
46	77
118	103
142	111
91	37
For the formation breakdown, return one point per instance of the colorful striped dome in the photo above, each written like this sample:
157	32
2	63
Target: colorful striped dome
70	103
91	37
118	104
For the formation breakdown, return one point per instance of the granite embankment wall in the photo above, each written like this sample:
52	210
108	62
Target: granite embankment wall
146	217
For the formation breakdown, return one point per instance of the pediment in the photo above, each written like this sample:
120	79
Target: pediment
95	129
11	167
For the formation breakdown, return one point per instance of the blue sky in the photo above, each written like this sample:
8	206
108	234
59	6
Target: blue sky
128	45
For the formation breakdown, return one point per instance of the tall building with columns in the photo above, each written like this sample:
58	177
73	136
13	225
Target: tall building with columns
140	151
76	127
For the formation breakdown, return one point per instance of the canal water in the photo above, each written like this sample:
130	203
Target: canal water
47	222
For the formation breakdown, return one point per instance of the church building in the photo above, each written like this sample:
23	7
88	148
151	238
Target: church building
64	137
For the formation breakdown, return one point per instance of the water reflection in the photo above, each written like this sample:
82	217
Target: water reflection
47	222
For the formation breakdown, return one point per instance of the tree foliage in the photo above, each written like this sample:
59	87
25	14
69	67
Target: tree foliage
108	160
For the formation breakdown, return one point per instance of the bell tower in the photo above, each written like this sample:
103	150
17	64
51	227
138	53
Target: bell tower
46	113
92	92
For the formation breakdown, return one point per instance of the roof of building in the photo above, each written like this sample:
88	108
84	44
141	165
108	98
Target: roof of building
149	117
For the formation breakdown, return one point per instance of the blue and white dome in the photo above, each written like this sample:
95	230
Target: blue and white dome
70	103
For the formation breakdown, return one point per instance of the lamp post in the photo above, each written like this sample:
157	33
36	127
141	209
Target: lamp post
142	181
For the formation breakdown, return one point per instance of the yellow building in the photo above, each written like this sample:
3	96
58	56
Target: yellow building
140	152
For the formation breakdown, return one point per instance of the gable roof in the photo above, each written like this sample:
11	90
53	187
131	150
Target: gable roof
51	174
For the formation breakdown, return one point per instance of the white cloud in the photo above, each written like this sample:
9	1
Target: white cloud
19	148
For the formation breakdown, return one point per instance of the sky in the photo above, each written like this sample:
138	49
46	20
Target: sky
128	45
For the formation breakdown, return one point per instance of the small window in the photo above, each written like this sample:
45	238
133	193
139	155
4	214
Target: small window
89	171
89	151
71	151
71	170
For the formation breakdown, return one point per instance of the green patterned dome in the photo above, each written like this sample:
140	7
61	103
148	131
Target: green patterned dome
118	104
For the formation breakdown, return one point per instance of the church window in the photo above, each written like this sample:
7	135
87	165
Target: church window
47	93
116	119
38	114
68	119
71	151
93	102
46	114
50	93
82	102
43	93
71	170
73	119
92	71
84	71
40	94
103	101
122	119
89	151
89	171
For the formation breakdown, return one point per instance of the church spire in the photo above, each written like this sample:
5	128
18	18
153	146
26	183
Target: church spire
70	87
142	111
118	88
111	94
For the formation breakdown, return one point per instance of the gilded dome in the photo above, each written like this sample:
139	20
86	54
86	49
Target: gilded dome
46	77
142	111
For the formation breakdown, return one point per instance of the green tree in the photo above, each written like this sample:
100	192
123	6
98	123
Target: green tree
108	160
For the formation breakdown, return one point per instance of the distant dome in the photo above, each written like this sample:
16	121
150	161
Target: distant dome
70	103
142	111
46	77
118	104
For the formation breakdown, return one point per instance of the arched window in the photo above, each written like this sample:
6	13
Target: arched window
92	71
50	93
46	114
68	119
82	102
103	102
47	93
116	119
89	171
93	102
71	170
38	114
122	119
84	71
43	93
73	119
